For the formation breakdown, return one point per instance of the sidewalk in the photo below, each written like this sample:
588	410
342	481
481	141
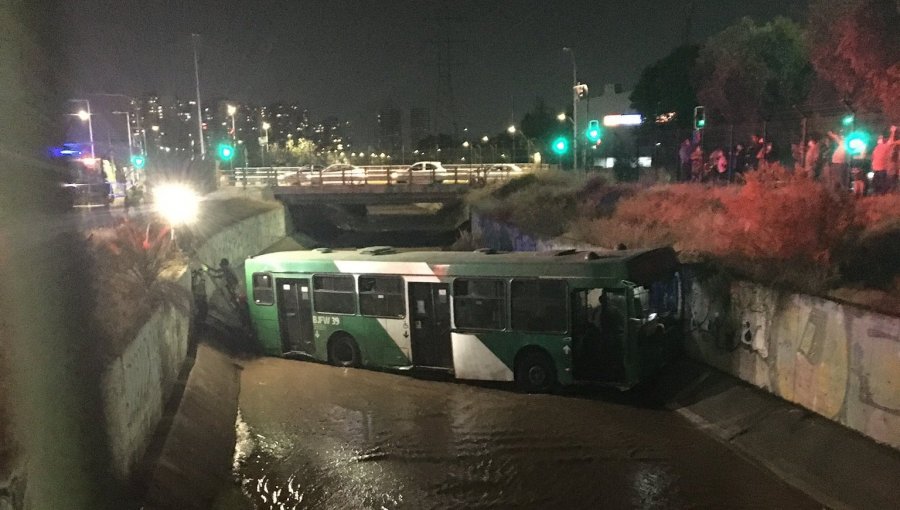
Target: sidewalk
835	465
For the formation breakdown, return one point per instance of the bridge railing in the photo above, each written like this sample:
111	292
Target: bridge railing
366	175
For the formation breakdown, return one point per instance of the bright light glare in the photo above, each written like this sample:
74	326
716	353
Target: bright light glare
232	109
561	117
621	120
511	130
177	203
266	126
857	145
83	115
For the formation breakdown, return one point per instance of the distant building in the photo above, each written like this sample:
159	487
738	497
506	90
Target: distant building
390	131
419	125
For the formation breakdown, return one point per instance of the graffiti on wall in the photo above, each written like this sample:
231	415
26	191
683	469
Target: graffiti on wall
838	361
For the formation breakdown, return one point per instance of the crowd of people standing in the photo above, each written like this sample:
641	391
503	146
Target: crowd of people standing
826	158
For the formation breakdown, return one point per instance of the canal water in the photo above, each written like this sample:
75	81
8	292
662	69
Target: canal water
315	436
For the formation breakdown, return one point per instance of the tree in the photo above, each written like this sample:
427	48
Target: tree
540	122
297	152
747	72
855	44
665	86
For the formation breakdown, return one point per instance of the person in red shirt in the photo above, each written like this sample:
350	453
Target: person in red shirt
881	161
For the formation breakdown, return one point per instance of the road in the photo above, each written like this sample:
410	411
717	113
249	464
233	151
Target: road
315	436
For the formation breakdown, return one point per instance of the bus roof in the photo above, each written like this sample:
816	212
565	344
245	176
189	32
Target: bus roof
639	266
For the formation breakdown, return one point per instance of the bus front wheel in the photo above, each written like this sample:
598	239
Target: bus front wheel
535	372
343	351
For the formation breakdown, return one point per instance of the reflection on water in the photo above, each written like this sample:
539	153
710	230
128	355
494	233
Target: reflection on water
322	437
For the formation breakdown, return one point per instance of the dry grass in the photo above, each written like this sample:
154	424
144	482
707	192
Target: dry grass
136	270
779	228
544	202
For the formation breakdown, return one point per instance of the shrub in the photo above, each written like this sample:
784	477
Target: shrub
136	270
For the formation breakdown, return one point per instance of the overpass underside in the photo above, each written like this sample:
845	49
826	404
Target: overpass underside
395	215
371	194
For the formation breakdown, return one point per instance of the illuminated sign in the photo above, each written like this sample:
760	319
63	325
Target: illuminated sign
622	120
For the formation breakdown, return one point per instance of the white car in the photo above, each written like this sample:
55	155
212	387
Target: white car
502	171
338	173
422	172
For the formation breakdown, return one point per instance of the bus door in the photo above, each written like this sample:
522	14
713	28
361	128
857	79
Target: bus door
429	308
295	315
600	335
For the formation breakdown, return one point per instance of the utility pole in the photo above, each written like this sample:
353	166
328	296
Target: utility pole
688	22
127	115
195	39
571	53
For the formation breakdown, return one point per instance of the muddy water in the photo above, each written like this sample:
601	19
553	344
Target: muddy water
321	437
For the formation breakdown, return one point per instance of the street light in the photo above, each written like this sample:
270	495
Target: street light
85	115
265	126
231	111
571	53
512	133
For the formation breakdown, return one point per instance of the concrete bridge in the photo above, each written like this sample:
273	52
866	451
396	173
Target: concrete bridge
370	185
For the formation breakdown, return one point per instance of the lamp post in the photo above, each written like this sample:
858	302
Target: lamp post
232	110
486	140
512	131
85	115
265	126
512	135
127	115
195	40
466	145
571	53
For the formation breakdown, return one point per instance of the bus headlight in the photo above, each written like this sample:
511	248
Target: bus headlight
177	203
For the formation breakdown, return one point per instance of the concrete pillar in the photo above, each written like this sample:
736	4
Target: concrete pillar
50	382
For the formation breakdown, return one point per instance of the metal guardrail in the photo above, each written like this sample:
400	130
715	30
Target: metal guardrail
365	175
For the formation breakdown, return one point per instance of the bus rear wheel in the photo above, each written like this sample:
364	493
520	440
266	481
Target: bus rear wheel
343	351
535	372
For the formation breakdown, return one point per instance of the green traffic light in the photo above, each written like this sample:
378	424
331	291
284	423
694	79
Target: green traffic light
847	120
560	145
857	142
593	132
226	152
138	161
701	123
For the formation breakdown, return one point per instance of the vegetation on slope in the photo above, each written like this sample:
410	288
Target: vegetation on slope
779	228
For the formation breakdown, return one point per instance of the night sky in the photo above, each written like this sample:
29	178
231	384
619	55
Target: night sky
349	58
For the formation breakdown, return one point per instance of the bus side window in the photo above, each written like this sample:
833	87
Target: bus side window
479	303
381	296
263	290
334	294
538	305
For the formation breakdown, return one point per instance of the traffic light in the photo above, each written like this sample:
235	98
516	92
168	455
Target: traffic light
593	132
226	151
857	142
848	119
138	161
560	146
699	117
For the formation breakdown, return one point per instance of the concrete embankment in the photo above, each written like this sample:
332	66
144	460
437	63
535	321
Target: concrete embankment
839	362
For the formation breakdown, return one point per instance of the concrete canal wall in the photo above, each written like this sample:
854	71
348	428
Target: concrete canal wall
137	384
838	360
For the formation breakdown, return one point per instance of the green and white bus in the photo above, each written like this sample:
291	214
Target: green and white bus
536	318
